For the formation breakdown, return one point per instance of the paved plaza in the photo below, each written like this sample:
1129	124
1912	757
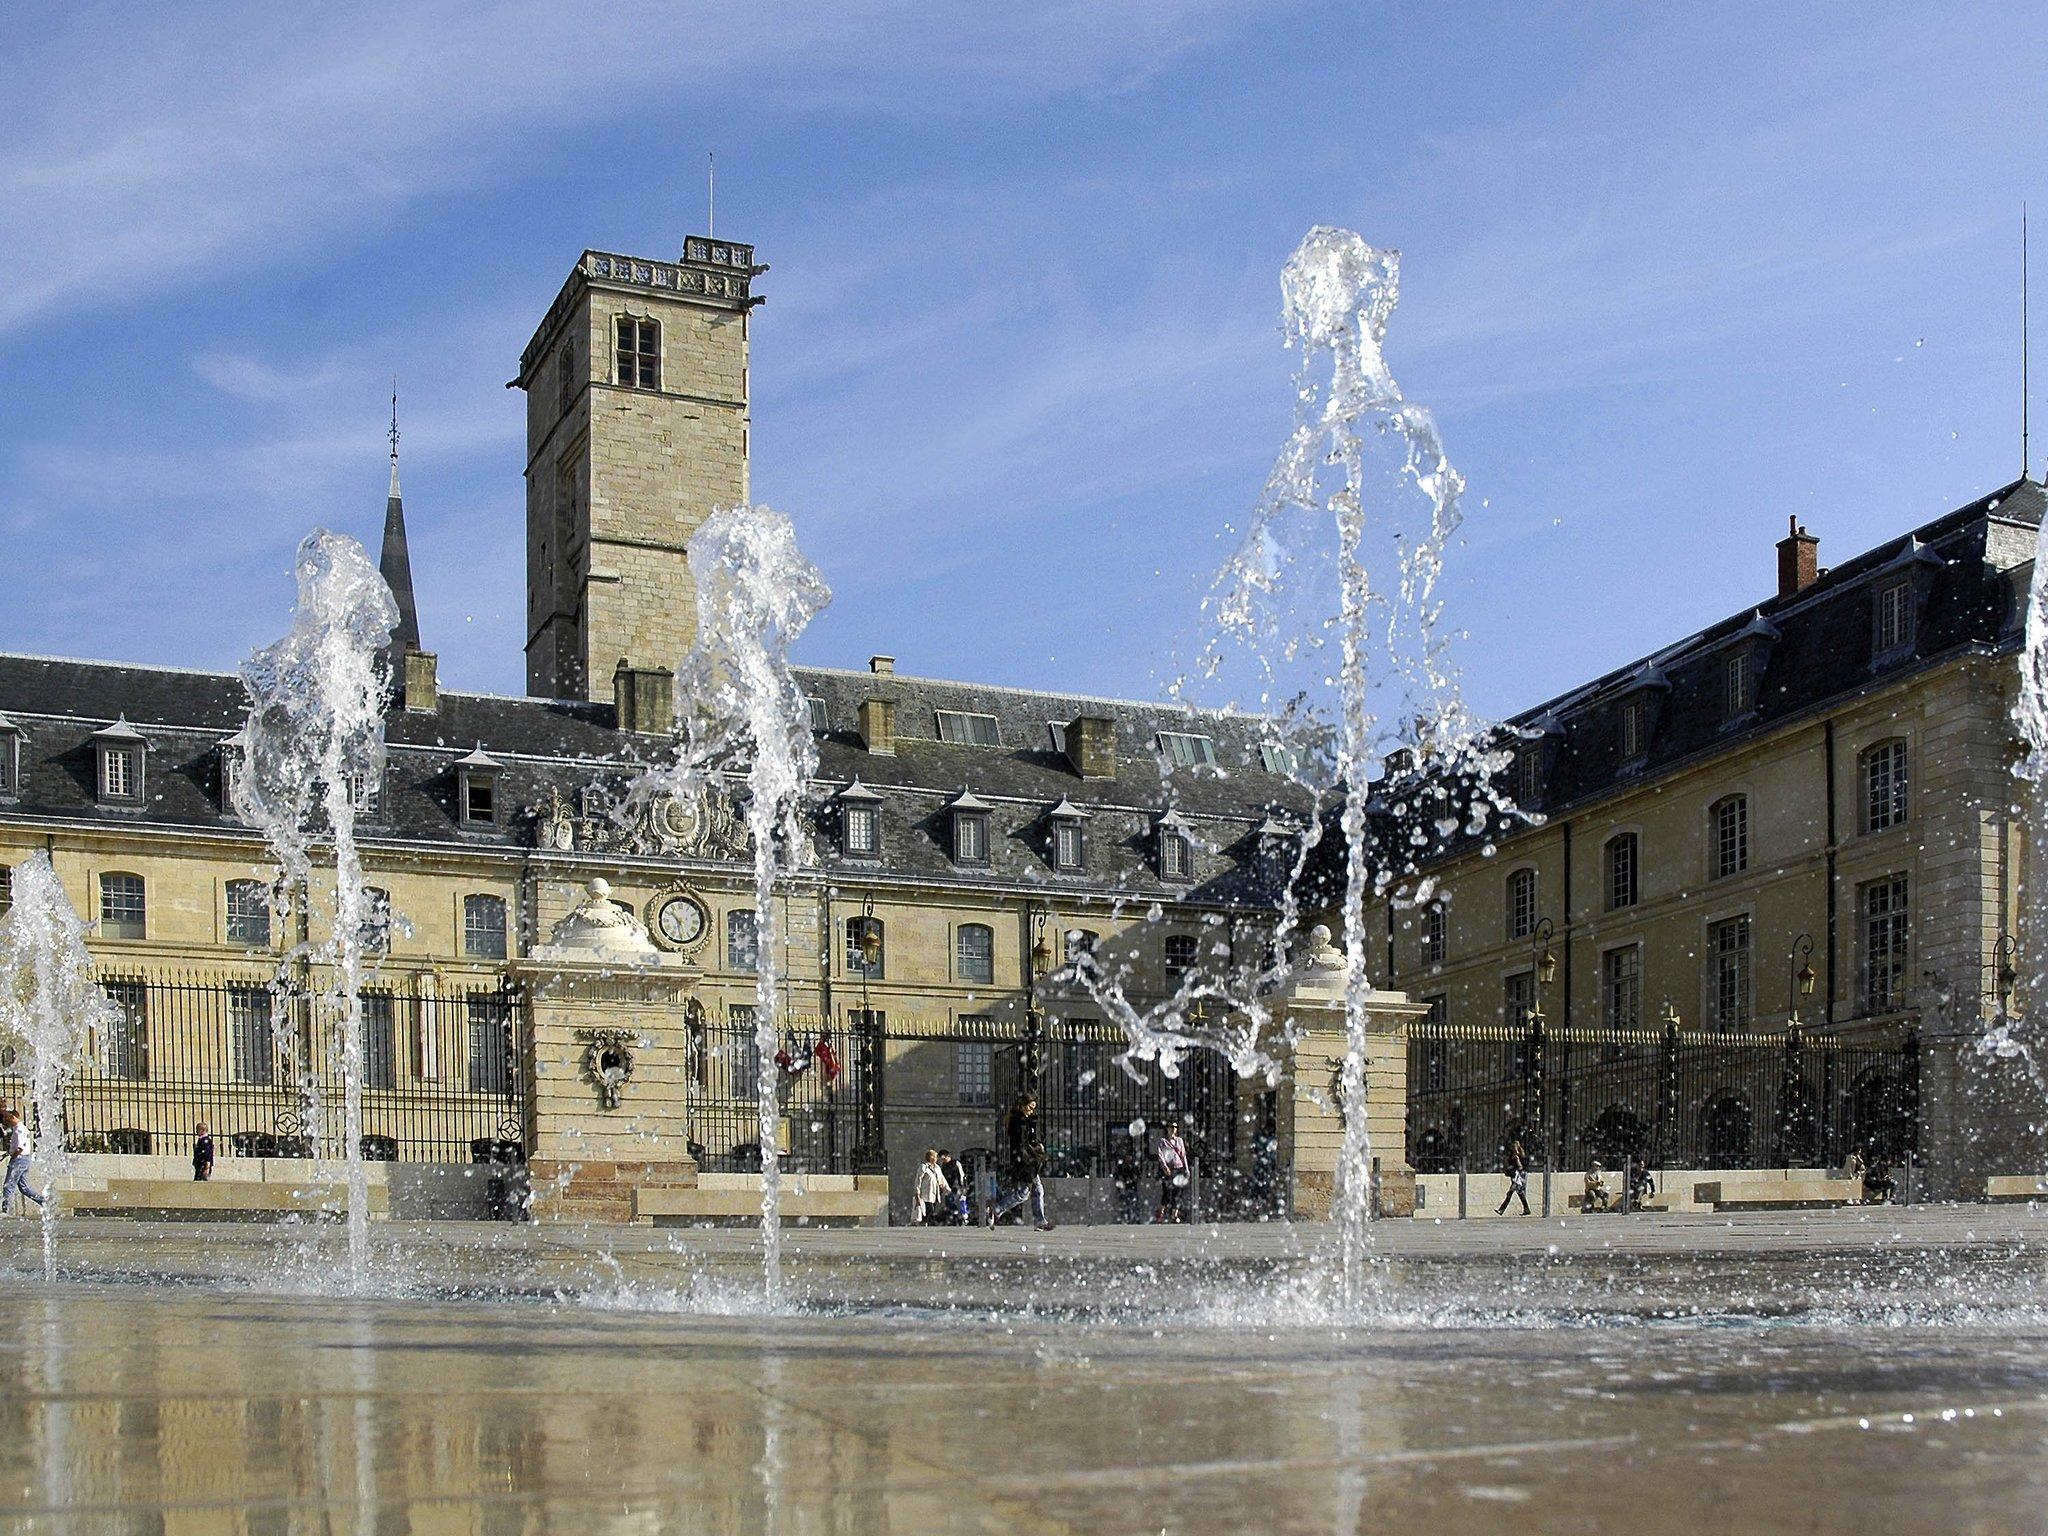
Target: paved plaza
1855	1371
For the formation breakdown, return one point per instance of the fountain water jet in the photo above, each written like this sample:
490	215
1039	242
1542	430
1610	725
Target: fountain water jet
51	1009
745	715
1410	766
315	736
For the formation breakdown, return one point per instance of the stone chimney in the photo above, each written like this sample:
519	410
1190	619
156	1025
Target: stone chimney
882	666
878	724
419	687
1091	746
1798	560
645	698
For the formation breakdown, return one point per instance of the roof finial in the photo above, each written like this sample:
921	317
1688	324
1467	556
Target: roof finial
394	437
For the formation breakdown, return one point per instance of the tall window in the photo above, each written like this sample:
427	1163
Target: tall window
1894	617
252	1044
1621	871
1521	903
1632	735
1885	936
1730	818
249	913
1621	988
638	353
6	888
380	1040
483	927
745	1051
490	1045
121	773
1528	777
1176	854
1728	947
742	941
974	949
1180	955
125	1052
1884	786
1435	934
122	910
974	1072
865	955
1081	942
1518	999
1736	685
375	932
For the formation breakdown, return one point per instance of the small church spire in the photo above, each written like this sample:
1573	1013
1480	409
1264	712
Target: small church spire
395	564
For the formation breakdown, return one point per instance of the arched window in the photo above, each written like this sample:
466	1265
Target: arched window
637	352
249	913
124	912
483	927
1521	903
1621	871
1729	817
1885	793
865	952
974	952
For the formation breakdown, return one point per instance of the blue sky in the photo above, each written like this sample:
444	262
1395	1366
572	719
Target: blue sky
1672	274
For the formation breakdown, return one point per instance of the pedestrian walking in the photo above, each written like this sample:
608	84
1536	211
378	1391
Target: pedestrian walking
932	1193
1027	1165
1518	1179
955	1210
19	1148
1126	1171
1172	1153
202	1152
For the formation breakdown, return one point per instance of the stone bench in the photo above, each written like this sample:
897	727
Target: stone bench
223	1200
856	1207
2007	1186
1778	1194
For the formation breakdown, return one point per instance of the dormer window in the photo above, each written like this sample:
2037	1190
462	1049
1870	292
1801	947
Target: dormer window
10	757
1894	617
1736	684
820	721
121	750
1176	848
1631	721
477	787
1278	757
1069	847
231	760
967	730
1184	749
1276	844
860	821
970	829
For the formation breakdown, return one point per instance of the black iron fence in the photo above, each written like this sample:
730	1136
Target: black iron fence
259	1062
828	1094
1668	1098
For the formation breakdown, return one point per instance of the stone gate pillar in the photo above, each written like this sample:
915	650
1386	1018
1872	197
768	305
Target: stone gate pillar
608	1063
1311	1126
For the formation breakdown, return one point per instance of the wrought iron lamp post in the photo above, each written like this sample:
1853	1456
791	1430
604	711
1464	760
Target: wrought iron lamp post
2005	970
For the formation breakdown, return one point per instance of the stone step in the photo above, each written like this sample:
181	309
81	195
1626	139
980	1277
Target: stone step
687	1207
223	1199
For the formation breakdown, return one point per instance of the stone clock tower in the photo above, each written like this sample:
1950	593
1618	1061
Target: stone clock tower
636	431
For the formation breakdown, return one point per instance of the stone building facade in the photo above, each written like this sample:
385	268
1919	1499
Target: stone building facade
972	832
1807	807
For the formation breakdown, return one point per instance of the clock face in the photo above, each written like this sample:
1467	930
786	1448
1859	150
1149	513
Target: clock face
680	921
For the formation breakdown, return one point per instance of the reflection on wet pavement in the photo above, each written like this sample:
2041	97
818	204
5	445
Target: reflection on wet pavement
149	1408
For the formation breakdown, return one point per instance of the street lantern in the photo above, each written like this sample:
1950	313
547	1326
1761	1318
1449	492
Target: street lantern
2005	958
1800	984
1546	957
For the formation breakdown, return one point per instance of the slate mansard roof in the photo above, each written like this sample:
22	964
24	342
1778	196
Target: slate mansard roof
59	703
1967	574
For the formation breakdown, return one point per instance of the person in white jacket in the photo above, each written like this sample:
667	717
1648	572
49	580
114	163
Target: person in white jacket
933	1190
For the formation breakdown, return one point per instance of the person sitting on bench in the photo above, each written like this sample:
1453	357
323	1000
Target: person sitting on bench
1596	1197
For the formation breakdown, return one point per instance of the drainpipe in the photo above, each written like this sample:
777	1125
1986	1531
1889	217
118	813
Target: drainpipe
1565	908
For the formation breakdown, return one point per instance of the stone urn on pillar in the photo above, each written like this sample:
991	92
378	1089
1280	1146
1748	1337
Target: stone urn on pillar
1312	1125
607	1078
